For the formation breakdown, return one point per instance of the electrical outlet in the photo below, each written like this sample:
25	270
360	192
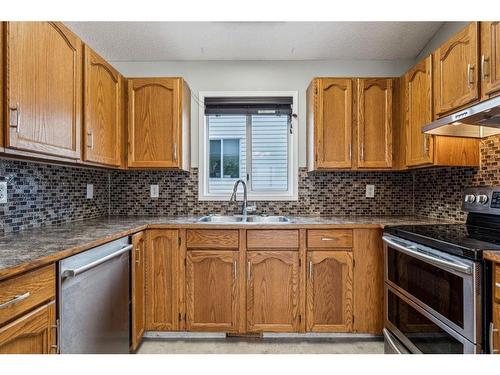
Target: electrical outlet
3	192
155	191
90	191
370	191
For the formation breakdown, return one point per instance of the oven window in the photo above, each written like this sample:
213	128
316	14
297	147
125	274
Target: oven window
423	333
435	287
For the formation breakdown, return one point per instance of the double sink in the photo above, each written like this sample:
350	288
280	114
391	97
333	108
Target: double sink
243	219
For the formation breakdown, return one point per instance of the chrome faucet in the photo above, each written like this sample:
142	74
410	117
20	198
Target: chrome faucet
246	209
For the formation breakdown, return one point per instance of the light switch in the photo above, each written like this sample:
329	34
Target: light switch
155	191
90	191
3	192
370	191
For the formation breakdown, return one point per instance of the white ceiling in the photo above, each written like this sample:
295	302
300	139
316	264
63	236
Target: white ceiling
162	41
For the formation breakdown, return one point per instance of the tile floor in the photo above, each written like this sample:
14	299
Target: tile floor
262	346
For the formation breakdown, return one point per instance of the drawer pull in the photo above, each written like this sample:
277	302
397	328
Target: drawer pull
16	299
327	239
497	285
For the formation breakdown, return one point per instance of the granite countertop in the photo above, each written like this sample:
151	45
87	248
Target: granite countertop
32	248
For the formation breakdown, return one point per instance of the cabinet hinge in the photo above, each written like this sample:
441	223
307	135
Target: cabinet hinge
300	318
180	317
353	263
300	262
185	262
180	241
185	317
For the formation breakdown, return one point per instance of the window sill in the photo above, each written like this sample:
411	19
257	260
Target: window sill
251	198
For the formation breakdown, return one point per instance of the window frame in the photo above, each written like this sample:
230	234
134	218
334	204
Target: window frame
293	166
222	141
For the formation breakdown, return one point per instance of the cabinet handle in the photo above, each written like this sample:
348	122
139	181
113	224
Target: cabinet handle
16	299
249	270
362	151
426	144
15	124
493	330
235	268
311	270
497	285
90	140
175	151
484	71
350	151
138	257
56	327
470	77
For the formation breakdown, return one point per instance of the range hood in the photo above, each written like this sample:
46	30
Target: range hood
478	121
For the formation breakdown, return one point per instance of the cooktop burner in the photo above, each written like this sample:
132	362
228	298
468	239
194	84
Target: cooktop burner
464	240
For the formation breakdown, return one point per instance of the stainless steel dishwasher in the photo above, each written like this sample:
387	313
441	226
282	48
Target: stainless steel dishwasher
94	300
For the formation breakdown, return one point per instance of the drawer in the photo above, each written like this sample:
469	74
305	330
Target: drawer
272	239
496	284
212	239
21	293
329	238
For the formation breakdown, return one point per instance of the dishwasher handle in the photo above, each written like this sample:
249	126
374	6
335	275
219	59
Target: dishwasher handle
95	263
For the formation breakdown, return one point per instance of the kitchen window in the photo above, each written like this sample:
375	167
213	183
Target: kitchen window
248	137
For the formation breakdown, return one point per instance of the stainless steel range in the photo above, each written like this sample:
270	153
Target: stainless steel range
437	285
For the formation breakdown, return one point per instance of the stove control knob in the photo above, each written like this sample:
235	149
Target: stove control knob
482	199
470	198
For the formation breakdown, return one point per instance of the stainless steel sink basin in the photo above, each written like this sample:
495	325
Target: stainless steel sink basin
267	219
241	219
221	219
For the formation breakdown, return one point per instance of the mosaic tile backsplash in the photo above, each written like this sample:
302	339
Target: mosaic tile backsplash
328	193
42	194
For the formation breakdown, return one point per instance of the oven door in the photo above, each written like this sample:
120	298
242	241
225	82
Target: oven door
444	285
419	330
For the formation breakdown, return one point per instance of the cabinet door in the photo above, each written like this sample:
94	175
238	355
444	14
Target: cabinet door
273	291
138	288
495	330
329	292
33	333
102	111
154	118
334	123
212	291
456	71
162	276
374	123
44	82
490	59
418	112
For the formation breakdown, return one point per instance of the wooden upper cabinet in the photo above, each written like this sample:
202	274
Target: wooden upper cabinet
138	288
162	289
44	88
102	120
273	291
456	71
329	292
374	123
331	132
2	103
418	112
158	123
212	302
490	59
33	333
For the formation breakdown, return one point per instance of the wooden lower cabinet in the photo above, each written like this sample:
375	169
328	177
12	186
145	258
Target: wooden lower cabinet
212	302
329	291
138	288
368	252
495	331
273	291
32	333
162	280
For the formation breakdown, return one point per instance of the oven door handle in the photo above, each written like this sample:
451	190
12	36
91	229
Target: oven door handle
447	264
